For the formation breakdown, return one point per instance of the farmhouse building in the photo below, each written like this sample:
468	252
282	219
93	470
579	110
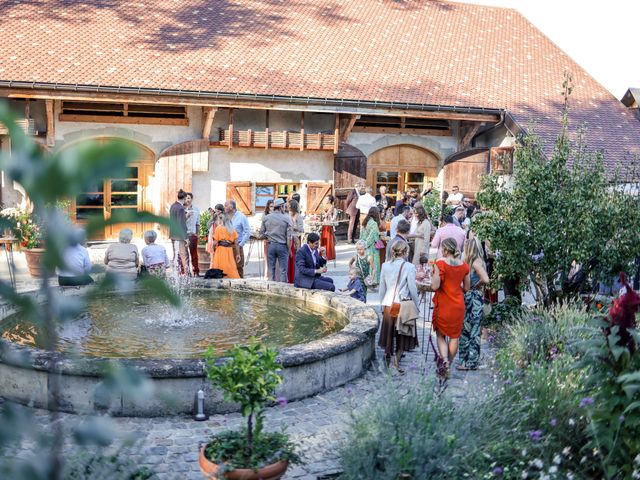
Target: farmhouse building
255	99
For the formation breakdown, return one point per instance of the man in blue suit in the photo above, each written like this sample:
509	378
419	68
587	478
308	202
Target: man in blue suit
310	266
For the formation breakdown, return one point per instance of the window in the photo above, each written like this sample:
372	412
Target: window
389	180
271	191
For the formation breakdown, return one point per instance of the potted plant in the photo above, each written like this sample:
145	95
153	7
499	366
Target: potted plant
204	259
29	236
249	376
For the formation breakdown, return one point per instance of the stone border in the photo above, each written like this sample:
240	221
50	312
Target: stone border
309	368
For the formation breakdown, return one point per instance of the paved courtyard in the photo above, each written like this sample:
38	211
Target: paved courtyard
316	424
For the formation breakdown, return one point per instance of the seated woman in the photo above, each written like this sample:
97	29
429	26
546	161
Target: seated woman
154	256
122	258
225	243
77	264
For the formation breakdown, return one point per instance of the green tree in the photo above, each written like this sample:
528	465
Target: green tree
567	205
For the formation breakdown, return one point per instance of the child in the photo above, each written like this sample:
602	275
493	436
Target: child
364	263
355	288
423	271
154	256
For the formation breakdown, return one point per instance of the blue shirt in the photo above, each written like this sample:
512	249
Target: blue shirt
241	224
356	285
76	261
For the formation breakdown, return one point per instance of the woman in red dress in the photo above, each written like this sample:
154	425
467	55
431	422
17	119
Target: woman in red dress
450	280
327	235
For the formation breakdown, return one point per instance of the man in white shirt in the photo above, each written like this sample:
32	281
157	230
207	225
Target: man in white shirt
365	202
455	197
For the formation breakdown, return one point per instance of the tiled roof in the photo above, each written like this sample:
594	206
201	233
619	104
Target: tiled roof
425	52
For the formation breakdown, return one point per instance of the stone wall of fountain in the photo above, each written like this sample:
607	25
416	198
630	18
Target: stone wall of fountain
308	369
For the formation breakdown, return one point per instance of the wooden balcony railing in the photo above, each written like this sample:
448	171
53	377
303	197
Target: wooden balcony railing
274	139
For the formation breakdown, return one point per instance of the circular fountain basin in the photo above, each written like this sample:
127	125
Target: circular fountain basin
324	340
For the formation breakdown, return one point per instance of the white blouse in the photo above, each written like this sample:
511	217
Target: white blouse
406	286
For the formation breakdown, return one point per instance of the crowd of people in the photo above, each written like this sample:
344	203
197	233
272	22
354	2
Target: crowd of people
392	247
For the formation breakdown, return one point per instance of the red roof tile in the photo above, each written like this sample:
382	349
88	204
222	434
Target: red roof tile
423	52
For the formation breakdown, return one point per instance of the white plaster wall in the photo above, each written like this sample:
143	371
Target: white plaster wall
499	137
258	165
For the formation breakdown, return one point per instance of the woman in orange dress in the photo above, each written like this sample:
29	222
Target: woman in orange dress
450	280
327	235
225	242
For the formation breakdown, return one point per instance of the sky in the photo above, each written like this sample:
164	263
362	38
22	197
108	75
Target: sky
600	36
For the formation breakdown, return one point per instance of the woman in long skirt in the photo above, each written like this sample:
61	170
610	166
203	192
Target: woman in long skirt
370	235
469	349
397	282
225	242
327	234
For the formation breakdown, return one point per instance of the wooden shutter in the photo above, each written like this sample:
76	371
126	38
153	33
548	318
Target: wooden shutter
240	192
316	191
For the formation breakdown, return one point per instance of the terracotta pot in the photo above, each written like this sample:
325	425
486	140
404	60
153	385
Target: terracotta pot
204	259
270	472
34	261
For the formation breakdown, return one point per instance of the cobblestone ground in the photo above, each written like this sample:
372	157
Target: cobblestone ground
317	424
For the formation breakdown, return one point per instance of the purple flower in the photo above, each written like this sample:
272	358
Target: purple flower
553	422
349	391
282	401
621	418
413	367
586	401
535	435
497	471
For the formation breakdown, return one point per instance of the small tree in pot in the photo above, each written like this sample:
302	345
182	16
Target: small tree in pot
249	377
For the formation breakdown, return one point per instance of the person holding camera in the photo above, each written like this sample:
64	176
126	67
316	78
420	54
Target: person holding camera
311	264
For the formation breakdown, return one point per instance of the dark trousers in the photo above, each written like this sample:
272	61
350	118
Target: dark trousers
193	253
240	264
354	221
278	254
323	283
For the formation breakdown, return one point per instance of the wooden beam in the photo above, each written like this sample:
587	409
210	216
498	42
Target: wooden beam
239	103
347	127
51	133
468	136
208	114
66	117
266	131
410	131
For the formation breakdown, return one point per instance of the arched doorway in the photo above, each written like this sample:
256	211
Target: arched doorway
401	167
130	192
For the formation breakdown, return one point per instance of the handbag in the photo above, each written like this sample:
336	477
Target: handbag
395	306
379	244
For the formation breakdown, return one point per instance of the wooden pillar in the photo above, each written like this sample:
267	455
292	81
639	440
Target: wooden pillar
266	131
301	131
336	138
51	134
230	128
208	115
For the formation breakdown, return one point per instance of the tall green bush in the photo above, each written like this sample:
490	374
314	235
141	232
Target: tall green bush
565	205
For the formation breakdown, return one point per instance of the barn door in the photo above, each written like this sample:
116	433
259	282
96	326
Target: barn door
240	192
316	191
175	167
349	168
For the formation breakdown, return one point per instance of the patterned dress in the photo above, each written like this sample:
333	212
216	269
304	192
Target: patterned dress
370	235
469	349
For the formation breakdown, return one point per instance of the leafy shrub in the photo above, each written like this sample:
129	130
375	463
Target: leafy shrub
504	313
541	336
408	435
612	402
100	466
433	206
